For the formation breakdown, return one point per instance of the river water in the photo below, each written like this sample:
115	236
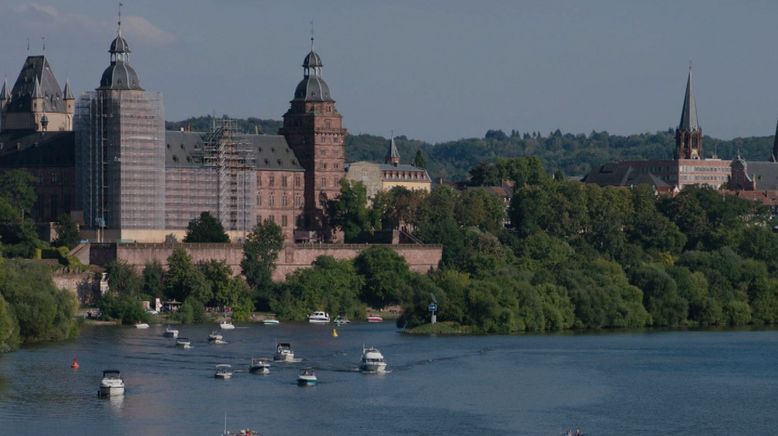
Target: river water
692	382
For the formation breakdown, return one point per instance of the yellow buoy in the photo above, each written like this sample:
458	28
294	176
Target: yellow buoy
334	333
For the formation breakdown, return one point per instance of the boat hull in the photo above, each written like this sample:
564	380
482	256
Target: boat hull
318	321
373	368
270	322
109	391
223	376
259	370
305	381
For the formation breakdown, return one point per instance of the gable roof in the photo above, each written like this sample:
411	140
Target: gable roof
36	71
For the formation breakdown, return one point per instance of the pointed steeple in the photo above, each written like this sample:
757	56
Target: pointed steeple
775	145
392	154
5	93
68	94
689	111
36	90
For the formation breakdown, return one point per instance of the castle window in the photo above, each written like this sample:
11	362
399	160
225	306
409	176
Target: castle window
296	180
325	165
284	201
283	180
323	182
327	124
272	180
259	219
259	199
259	180
283	221
298	201
272	200
272	218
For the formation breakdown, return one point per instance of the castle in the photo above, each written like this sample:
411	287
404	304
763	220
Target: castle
107	159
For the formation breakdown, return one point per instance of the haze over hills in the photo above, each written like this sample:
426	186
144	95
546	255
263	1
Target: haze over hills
573	154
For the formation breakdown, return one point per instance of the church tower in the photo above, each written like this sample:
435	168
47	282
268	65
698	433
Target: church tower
688	135
313	129
120	153
392	154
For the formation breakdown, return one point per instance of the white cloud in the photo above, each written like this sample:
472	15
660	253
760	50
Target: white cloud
135	27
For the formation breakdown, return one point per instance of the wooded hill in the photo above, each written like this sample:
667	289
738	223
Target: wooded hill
573	154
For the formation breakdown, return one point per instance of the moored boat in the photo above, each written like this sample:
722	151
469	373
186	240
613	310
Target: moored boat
227	325
215	338
183	343
341	320
372	361
374	318
307	377
319	318
270	322
259	366
111	384
284	352
141	325
223	371
170	332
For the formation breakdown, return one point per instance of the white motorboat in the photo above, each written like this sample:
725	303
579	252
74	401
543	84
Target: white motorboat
141	325
215	338
374	318
259	366
111	384
270	322
183	343
284	352
227	325
170	332
341	320
223	371
319	318
307	377
372	361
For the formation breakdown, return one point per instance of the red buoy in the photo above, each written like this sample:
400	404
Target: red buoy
74	365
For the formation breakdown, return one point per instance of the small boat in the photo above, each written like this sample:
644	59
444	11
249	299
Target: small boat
270	322
223	371
170	332
374	318
342	319
227	325
141	325
111	384
183	343
259	366
319	318
215	338
307	377
284	352
372	361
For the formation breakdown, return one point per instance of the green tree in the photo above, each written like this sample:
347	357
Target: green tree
384	272
478	208
18	188
260	252
349	211
67	232
123	280
206	228
152	279
9	328
418	160
184	279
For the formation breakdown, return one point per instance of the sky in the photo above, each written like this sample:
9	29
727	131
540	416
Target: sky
435	70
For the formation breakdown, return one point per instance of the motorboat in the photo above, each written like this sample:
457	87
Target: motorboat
223	371
284	352
170	332
183	343
374	318
259	366
141	325
227	325
319	318
307	377
342	319
111	384
215	338
372	361
270	322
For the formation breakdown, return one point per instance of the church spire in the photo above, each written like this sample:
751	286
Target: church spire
5	93
36	90
67	93
688	135
392	154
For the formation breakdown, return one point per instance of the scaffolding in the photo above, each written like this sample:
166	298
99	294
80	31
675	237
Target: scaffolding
120	159
226	150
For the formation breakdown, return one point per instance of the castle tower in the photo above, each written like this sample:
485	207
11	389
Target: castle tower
35	97
392	154
313	128
120	153
688	135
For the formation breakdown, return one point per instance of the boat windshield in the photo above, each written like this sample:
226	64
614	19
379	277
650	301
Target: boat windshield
111	373
283	347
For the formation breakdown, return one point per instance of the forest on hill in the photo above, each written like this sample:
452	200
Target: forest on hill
572	154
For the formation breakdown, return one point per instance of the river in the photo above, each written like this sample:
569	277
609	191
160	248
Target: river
646	383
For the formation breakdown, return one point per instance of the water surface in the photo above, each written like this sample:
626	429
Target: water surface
606	384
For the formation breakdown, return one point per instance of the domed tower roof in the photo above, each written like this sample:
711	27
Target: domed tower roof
120	75
312	87
119	45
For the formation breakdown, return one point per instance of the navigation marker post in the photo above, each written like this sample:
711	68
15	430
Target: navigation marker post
433	308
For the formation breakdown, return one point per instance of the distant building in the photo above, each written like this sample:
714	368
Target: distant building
688	167
383	177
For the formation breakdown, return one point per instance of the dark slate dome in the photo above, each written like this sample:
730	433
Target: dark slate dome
312	88
120	75
313	60
119	45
